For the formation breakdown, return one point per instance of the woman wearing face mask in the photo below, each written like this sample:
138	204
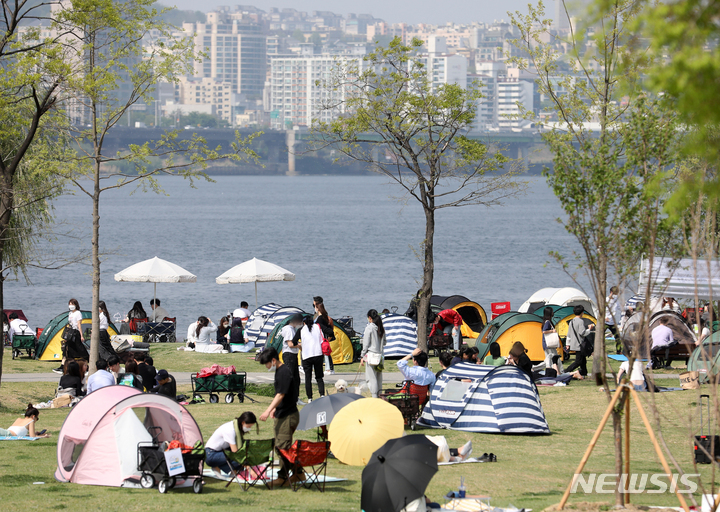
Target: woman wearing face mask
229	436
73	347
223	332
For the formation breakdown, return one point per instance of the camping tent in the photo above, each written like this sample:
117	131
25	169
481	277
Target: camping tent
401	335
50	342
472	313
682	333
261	329
255	322
705	359
497	399
510	327
97	444
562	316
559	296
342	348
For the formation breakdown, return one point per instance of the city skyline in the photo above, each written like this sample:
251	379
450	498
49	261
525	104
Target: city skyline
398	11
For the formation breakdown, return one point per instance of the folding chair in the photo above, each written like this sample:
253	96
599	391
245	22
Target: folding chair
256	454
308	454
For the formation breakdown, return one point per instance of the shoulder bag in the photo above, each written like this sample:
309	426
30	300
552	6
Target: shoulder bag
552	340
373	358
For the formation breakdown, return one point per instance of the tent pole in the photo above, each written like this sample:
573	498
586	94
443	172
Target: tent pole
256	301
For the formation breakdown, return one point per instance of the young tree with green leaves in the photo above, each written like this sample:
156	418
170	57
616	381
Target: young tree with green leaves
612	146
112	71
387	105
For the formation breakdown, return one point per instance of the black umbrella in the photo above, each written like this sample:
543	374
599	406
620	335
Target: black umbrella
398	473
321	411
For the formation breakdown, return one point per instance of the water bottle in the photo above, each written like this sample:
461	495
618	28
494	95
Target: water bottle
461	489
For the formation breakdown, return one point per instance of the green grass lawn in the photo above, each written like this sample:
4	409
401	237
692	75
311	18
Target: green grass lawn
166	355
531	472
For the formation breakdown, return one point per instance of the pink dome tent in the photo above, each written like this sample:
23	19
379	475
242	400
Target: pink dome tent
98	441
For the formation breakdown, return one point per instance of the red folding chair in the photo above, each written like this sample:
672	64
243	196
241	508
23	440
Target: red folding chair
308	454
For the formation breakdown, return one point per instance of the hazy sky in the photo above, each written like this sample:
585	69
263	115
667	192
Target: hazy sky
392	11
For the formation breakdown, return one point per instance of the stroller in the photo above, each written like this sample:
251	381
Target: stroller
152	464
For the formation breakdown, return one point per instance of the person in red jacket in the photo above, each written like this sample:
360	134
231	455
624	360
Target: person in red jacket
448	321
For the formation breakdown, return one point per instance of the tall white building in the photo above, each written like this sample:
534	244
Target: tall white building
514	94
206	91
295	97
443	67
235	51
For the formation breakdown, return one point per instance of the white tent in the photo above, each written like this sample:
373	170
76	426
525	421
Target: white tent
682	279
254	271
558	297
155	270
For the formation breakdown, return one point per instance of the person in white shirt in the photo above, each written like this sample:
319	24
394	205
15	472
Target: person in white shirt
101	378
663	340
637	377
290	349
225	438
17	326
243	313
310	338
204	331
612	317
157	313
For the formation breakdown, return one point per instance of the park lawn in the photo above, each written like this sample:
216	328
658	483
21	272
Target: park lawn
166	355
531	472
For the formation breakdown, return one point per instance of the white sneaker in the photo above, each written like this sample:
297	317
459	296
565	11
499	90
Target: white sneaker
300	402
309	400
329	372
301	370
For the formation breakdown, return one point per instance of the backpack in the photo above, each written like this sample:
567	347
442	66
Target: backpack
127	380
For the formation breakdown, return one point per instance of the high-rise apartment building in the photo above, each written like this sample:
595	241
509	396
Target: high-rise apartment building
235	51
295	98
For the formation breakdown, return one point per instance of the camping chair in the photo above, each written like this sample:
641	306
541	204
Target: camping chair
255	453
137	325
308	454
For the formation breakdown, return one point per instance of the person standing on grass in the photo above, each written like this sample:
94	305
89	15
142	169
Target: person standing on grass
328	330
372	352
310	337
552	358
612	317
574	341
290	350
283	409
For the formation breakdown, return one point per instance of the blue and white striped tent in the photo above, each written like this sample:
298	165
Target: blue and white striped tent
497	400
259	337
401	334
257	319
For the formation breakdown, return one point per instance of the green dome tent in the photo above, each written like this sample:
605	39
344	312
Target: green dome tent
510	327
705	359
342	349
50	341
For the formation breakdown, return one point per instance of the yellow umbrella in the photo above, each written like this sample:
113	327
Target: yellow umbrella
360	428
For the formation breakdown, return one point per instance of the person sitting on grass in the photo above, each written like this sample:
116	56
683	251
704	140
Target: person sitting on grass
283	409
494	358
637	377
166	385
101	378
25	426
226	438
420	374
71	383
445	361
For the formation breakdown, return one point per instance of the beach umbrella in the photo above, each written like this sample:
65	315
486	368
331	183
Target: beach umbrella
255	271
398	473
360	428
155	270
322	411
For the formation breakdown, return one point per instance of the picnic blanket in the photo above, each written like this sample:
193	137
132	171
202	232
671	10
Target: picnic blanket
209	473
16	438
466	461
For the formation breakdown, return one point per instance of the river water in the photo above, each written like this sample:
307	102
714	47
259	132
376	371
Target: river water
345	237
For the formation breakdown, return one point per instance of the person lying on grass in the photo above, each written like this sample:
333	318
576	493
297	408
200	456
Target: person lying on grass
25	426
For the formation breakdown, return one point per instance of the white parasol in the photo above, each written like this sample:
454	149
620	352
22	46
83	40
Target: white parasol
254	271
155	270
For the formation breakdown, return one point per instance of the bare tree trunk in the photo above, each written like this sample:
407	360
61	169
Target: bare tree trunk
6	206
95	336
428	274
